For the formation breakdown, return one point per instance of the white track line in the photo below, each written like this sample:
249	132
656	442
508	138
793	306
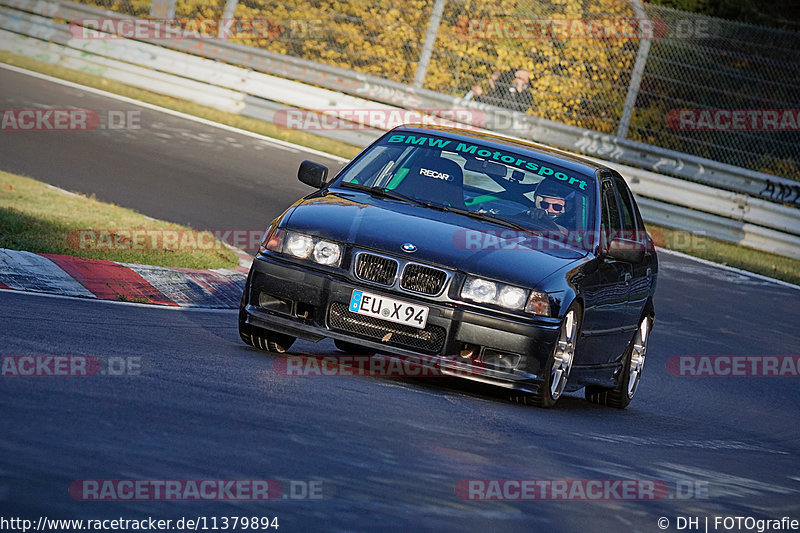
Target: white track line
100	92
727	267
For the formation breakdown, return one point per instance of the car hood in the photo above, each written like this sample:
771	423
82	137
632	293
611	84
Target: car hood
447	239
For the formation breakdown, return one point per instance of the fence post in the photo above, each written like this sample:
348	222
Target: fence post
430	40
227	18
636	75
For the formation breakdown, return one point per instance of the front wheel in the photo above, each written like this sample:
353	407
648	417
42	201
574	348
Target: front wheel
559	364
631	374
263	339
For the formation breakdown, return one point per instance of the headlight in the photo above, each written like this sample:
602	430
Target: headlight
508	296
484	291
327	253
479	290
512	297
306	247
298	245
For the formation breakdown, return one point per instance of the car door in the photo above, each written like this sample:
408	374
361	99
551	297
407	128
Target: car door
641	272
606	289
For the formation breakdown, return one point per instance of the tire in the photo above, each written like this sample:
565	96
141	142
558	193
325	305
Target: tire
559	364
263	339
631	375
352	349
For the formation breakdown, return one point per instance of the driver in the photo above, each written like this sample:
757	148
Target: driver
551	199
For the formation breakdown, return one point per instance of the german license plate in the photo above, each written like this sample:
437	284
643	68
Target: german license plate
365	303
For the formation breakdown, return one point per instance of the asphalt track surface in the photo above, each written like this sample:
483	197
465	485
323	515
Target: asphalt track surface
389	452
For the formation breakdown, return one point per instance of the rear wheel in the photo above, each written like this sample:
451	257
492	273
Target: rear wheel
631	373
559	364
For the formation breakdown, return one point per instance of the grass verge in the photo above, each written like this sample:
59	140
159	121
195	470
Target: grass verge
774	266
692	244
39	218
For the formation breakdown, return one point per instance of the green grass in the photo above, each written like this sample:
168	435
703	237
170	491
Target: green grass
775	266
41	219
718	251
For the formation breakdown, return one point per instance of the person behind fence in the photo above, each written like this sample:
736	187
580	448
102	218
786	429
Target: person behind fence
491	81
510	90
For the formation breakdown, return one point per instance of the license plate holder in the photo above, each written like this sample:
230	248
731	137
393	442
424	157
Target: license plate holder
389	309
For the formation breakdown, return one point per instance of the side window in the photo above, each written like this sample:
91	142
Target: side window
626	212
610	216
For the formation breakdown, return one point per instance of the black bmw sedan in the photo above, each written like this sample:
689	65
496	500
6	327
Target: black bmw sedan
528	267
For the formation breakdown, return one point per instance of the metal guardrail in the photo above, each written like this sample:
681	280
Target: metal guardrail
502	121
377	89
611	66
203	81
677	203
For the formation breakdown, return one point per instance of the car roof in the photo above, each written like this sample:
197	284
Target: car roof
541	152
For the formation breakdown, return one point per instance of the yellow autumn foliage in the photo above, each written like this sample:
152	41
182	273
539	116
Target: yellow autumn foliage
576	78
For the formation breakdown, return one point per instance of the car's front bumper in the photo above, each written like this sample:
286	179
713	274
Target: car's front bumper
310	304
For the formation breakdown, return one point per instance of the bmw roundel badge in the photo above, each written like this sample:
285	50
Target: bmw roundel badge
408	247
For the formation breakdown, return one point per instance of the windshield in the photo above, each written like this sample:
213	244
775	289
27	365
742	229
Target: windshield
505	185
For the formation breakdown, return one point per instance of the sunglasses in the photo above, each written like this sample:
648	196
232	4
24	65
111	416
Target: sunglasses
544	204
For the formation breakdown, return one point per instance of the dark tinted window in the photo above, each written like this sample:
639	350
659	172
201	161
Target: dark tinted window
611	221
626	213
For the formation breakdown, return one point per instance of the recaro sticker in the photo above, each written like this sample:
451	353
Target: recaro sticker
434	174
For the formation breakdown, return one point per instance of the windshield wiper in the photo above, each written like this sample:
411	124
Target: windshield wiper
488	218
386	193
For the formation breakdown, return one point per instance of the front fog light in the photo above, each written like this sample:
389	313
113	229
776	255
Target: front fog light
299	245
512	297
327	253
479	290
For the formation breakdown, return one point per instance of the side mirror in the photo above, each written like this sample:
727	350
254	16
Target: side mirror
313	174
626	250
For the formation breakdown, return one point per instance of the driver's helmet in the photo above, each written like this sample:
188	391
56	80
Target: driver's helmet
553	198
